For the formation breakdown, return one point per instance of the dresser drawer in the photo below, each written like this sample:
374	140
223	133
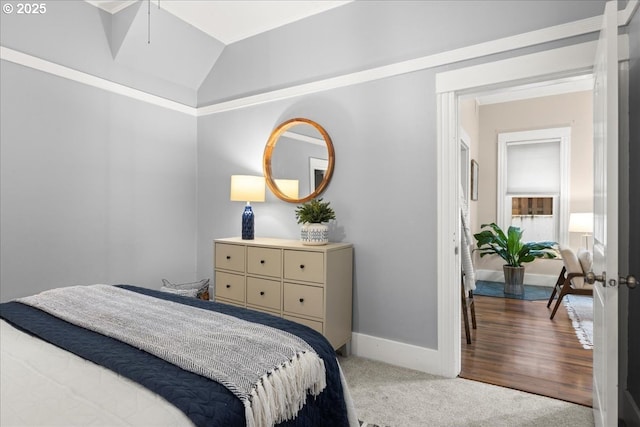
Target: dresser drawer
313	324
303	265
229	257
264	293
230	286
264	261
303	299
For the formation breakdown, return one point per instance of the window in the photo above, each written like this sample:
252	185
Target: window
533	183
534	215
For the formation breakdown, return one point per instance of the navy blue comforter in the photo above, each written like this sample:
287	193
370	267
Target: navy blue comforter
204	401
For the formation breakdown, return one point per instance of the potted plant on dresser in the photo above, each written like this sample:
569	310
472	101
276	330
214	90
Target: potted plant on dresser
514	251
313	215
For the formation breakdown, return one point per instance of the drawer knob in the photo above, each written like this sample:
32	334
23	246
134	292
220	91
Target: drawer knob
228	256
261	261
261	292
301	266
301	299
228	286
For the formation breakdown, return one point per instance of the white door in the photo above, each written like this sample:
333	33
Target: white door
605	236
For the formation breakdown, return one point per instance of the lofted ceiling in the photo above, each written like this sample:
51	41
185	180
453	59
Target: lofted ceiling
229	21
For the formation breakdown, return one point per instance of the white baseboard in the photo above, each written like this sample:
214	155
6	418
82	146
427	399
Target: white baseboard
529	279
396	353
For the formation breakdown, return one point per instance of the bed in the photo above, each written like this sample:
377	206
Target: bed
56	372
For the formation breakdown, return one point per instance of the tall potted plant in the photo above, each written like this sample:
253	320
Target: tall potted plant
514	251
313	215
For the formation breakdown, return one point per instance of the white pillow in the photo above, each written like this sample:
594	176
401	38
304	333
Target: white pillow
572	265
586	260
184	292
570	259
198	289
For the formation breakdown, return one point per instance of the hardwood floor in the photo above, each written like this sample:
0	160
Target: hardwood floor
517	346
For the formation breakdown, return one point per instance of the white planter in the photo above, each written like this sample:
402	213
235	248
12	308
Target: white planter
314	234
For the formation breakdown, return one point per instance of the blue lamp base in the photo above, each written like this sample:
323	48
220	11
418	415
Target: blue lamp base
247	223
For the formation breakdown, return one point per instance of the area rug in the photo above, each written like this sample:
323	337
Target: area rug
580	310
496	289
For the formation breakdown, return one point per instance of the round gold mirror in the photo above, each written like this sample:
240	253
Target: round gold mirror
298	160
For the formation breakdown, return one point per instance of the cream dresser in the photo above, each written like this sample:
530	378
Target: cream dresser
311	285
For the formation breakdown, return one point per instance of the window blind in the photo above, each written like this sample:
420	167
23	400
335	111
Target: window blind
533	168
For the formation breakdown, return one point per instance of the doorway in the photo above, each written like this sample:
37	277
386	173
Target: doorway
567	62
516	337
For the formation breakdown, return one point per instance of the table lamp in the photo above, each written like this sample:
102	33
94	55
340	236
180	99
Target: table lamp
245	188
582	222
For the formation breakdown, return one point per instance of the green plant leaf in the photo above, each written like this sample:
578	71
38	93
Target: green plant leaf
510	247
315	211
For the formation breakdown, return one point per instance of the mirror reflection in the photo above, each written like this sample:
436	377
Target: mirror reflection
298	160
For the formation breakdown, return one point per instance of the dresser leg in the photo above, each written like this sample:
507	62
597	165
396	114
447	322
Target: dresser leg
345	350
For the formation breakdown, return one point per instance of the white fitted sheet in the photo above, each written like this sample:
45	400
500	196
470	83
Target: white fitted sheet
43	385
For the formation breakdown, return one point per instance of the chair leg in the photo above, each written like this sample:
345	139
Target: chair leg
465	315
557	285
553	294
472	304
555	308
564	291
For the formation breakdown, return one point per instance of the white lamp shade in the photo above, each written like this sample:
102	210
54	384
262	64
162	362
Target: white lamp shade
245	188
288	187
581	222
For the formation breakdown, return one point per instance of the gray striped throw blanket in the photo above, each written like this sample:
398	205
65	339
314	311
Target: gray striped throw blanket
269	370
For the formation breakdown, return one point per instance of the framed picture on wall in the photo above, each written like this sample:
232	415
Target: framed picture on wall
474	180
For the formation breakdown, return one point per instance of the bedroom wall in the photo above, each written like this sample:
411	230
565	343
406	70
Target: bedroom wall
80	36
366	34
380	135
384	132
94	187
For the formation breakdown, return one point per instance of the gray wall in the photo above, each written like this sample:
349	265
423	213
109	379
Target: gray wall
384	134
365	34
135	219
382	191
80	36
97	187
94	187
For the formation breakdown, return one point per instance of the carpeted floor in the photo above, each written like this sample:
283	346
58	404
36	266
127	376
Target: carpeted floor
387	395
496	289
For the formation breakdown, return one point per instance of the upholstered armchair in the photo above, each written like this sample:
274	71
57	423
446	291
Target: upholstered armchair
571	279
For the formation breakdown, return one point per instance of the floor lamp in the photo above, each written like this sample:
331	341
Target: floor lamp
582	222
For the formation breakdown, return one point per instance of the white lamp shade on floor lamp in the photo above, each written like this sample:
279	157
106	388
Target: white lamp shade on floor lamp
581	222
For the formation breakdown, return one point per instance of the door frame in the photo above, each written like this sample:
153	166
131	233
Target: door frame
465	163
562	62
